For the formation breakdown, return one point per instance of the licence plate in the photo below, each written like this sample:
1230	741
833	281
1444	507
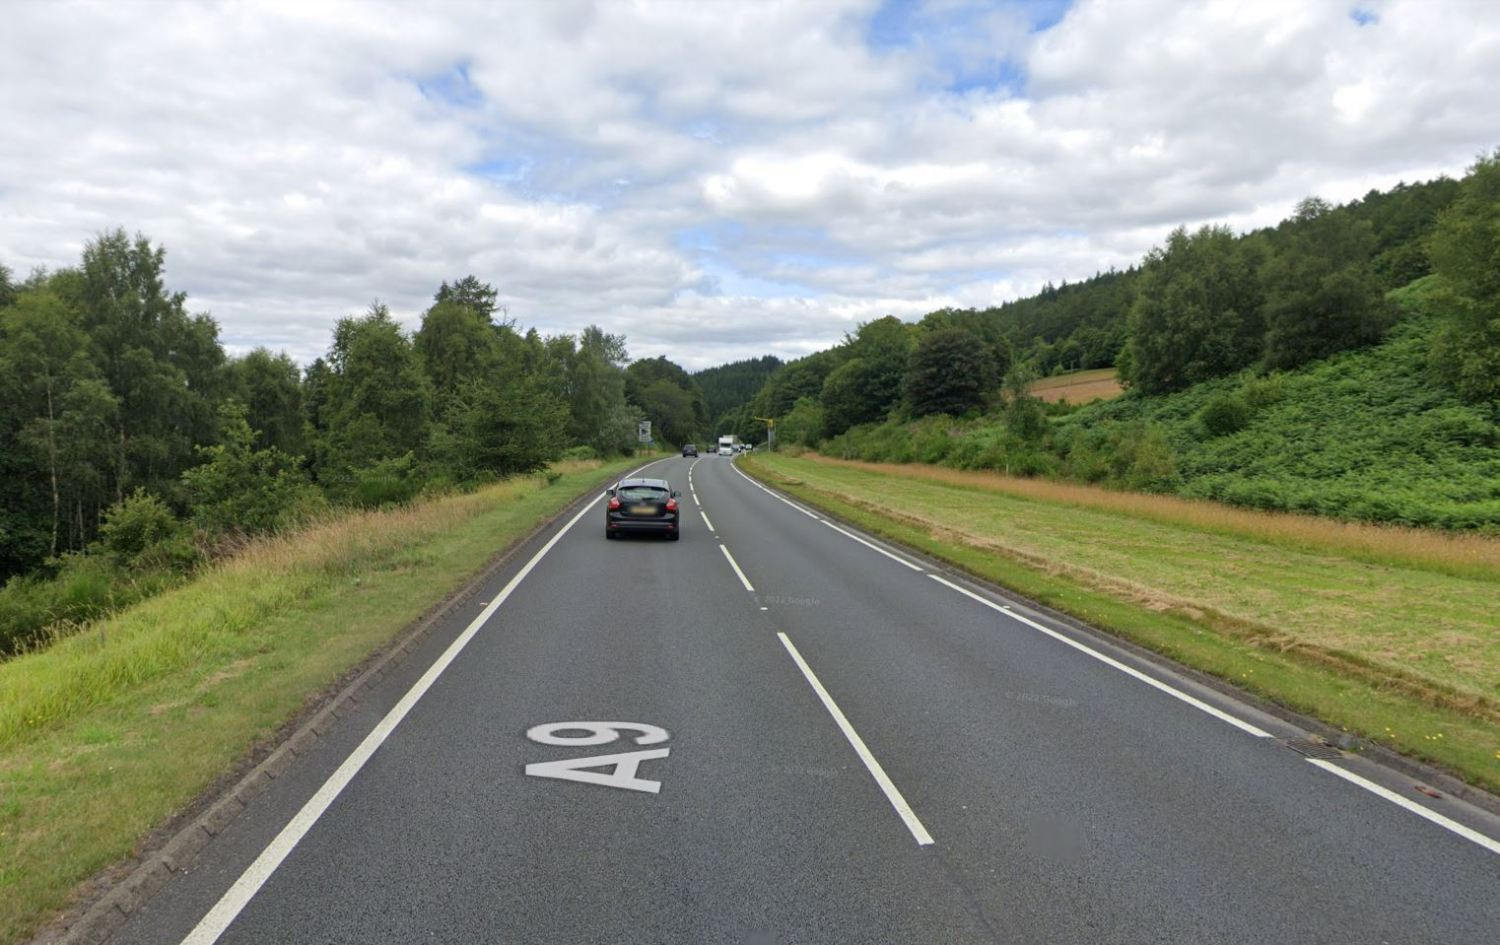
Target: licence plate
643	510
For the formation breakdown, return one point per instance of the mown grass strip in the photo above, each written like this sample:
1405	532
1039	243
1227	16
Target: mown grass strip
1141	603
104	735
1461	554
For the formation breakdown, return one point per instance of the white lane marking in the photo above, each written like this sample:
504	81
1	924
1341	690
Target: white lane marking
734	564
872	546
1426	813
773	495
213	924
696	502
706	521
847	534
892	793
1109	661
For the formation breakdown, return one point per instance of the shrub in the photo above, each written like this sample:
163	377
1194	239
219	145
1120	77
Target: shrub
135	525
1224	414
387	482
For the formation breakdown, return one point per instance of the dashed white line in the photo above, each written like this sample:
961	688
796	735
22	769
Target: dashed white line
741	574
892	793
706	521
1108	660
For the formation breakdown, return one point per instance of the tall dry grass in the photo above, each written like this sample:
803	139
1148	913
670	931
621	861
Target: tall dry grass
211	614
1461	555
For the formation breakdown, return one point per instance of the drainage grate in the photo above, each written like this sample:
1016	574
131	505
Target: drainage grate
1313	748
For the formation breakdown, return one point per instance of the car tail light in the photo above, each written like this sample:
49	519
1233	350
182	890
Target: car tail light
614	504
671	505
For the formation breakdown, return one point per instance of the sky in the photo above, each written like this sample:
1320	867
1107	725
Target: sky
714	180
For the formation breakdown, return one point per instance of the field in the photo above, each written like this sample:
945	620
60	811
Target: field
1388	633
108	732
1079	387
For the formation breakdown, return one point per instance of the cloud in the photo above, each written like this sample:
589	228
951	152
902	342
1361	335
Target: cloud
714	180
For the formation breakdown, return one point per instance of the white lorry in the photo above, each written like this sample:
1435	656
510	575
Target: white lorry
728	445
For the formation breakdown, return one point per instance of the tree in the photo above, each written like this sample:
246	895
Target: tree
8	286
469	292
378	402
43	352
950	373
669	397
884	346
1320	293
240	489
1465	252
270	387
457	343
596	391
500	429
803	424
163	365
845	398
1196	313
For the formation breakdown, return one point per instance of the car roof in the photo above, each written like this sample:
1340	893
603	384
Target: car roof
658	483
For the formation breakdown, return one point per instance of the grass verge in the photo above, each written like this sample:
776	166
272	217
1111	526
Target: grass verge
107	733
1402	653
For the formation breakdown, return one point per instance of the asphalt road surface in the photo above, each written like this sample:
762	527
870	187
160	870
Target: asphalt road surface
813	739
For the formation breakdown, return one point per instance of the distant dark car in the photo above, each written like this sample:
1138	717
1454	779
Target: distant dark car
641	505
689	449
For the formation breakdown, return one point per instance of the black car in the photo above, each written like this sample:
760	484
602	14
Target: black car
689	449
641	505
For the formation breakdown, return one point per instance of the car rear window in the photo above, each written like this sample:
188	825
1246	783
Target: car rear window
642	494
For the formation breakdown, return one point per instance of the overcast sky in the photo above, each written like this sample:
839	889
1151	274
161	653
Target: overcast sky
716	180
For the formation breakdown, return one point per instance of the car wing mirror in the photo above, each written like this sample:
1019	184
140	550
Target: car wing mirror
609	492
676	494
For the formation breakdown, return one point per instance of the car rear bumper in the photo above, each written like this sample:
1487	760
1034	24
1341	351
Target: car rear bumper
641	525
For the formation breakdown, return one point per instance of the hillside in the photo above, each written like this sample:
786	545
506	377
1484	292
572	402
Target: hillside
1361	435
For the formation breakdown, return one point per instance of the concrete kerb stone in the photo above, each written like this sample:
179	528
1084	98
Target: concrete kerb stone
102	919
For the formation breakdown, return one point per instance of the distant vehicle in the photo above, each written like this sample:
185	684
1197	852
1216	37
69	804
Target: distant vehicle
728	445
689	449
642	505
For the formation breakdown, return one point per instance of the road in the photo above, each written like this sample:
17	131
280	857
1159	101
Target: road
834	744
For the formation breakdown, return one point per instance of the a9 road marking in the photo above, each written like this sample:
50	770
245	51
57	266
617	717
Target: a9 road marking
623	765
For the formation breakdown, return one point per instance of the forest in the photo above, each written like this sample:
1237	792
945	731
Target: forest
1345	362
134	449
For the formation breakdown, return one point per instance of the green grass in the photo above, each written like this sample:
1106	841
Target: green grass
108	732
1404	653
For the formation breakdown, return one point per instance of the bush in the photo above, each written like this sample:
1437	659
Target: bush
387	482
1224	414
580	452
136	526
242	490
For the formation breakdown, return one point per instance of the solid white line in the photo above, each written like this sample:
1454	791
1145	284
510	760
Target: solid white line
212	925
892	793
734	564
1426	813
773	495
847	534
1109	661
706	521
872	546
